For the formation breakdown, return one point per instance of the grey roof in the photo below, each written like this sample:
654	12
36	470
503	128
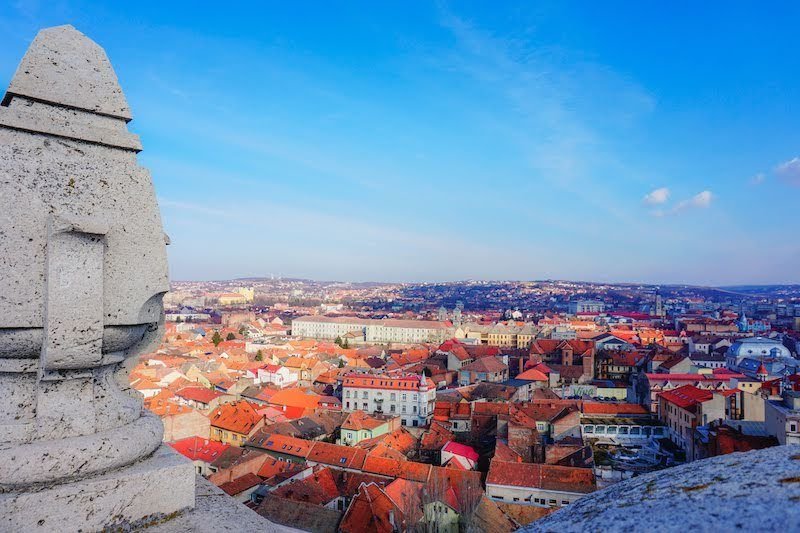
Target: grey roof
753	429
513	382
714	356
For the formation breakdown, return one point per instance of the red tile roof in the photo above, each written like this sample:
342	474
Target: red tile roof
199	449
281	444
485	364
601	408
541	476
240	484
319	488
198	394
372	511
337	456
272	466
383	466
461	449
532	374
399	382
686	396
360	420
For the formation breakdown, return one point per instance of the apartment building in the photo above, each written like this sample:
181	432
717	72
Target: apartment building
409	396
372	330
685	408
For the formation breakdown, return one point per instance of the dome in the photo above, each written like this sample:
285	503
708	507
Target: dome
758	347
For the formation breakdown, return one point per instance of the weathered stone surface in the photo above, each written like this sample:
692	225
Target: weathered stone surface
83	262
752	491
82	250
216	511
140	494
64	67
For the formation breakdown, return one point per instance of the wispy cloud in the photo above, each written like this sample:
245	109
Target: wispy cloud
758	179
789	171
657	196
701	200
556	122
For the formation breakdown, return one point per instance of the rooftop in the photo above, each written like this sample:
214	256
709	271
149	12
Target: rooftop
756	490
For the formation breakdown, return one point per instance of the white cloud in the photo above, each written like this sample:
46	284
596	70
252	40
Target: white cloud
789	171
656	197
758	179
701	200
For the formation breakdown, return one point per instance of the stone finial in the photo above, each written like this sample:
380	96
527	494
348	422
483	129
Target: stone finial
84	270
66	68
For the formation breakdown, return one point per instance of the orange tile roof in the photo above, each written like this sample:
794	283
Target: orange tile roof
541	476
238	417
240	484
273	466
358	420
337	456
383	466
372	511
532	375
295	397
281	444
318	489
164	404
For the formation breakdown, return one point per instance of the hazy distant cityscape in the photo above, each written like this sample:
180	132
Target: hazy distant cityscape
464	404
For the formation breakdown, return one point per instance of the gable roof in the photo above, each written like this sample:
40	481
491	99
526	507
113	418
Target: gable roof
541	476
687	396
461	449
198	394
485	364
240	484
199	449
238	417
372	511
532	374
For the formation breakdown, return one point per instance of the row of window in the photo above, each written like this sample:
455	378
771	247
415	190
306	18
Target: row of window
392	396
540	501
624	430
392	408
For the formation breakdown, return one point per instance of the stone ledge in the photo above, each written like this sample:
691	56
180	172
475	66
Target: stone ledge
757	490
159	486
216	511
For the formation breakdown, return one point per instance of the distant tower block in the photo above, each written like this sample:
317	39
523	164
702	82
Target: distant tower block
659	304
83	271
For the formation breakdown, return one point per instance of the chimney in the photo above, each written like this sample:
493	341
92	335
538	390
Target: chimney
391	519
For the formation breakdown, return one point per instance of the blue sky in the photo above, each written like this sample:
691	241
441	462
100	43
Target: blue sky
413	141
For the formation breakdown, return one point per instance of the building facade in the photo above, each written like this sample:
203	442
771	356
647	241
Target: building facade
372	330
409	396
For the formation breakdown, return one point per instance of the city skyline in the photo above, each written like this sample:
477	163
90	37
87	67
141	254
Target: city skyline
446	142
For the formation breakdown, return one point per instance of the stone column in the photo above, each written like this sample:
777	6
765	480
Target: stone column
82	273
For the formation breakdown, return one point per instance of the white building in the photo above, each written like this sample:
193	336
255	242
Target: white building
277	375
373	331
586	306
409	396
782	418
